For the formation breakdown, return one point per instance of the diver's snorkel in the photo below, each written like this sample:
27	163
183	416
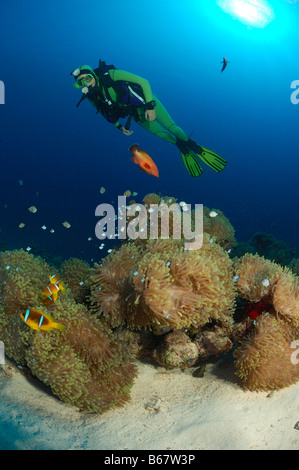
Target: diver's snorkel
85	91
128	123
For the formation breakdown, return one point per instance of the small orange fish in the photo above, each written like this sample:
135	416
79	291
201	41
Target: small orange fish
38	320
56	280
50	293
141	158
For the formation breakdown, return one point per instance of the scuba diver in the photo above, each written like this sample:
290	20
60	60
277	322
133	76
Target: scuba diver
117	94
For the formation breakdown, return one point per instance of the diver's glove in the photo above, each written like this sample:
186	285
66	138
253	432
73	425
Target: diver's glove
150	105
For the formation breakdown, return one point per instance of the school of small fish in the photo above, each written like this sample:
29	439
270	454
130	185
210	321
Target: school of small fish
139	157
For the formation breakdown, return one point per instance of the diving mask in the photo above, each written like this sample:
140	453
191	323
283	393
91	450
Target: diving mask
84	81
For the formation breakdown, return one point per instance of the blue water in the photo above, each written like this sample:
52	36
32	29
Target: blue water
64	155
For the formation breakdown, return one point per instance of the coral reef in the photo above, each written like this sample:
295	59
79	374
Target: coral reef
294	266
139	344
189	299
83	364
212	342
242	248
266	245
176	351
275	250
151	298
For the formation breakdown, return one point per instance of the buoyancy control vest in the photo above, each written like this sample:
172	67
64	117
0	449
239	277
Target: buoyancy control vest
129	96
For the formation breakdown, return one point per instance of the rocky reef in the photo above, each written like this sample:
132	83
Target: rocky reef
153	299
195	305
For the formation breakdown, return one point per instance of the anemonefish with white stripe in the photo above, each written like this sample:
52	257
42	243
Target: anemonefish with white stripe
50	293
38	320
56	280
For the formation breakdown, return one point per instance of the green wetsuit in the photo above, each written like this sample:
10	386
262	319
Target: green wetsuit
163	126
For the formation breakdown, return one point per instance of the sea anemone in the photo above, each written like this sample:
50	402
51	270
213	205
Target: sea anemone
264	359
109	280
83	365
163	222
150	199
286	297
77	276
256	277
219	228
165	288
22	279
167	247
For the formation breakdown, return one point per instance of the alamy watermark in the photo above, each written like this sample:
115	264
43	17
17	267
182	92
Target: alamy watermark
295	94
295	354
2	92
2	353
151	221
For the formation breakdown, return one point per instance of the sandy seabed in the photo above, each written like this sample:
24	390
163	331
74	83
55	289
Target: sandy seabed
169	410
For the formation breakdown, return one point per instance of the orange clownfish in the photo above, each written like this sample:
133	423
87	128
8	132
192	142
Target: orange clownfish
56	280
141	158
51	293
38	320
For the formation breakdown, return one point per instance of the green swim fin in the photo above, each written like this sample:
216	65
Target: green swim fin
210	158
189	158
191	163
